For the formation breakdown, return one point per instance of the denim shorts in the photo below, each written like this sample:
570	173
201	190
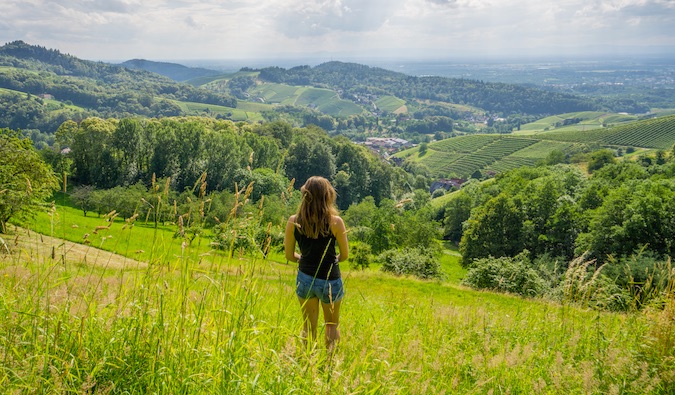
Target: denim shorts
326	290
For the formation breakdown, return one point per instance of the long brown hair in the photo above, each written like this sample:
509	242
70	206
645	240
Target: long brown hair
316	208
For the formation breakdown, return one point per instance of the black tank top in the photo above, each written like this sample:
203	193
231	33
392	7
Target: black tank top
312	251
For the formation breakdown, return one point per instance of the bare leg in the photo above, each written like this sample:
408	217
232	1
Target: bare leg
310	316
331	315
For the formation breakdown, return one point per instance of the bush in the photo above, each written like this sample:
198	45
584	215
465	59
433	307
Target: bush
506	274
415	261
360	256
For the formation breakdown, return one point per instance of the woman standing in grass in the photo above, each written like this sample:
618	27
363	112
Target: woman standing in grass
316	228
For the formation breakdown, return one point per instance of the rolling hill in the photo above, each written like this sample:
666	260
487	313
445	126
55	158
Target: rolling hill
176	72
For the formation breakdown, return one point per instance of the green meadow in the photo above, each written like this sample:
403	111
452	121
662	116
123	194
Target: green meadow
389	103
249	112
324	100
181	318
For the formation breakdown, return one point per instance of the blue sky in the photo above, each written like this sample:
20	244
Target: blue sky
341	29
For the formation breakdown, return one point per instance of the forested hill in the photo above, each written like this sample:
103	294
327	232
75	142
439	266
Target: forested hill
95	88
176	72
355	79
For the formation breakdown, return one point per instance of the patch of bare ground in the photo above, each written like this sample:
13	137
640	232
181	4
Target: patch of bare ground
401	110
23	245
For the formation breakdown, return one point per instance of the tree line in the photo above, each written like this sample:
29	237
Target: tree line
621	217
105	153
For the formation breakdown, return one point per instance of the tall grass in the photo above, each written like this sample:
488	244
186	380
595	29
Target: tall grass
188	322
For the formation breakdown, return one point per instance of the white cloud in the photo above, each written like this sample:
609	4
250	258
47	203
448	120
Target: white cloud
175	29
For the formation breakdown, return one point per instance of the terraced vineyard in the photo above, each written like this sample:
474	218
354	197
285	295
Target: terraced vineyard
657	133
587	120
464	155
464	144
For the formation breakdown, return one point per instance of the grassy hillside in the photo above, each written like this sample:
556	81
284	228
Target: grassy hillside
325	100
190	321
389	103
248	112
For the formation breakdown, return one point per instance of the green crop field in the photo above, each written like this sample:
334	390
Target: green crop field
657	133
76	319
324	100
235	114
276	93
588	120
389	103
464	155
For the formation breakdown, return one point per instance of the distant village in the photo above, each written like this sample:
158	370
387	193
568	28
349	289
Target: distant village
386	146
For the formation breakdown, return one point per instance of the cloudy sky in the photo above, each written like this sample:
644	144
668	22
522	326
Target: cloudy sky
249	29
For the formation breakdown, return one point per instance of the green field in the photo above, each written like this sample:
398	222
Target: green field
389	103
657	133
324	100
589	120
189	321
463	155
246	113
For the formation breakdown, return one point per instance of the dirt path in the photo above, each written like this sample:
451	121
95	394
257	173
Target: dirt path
24	245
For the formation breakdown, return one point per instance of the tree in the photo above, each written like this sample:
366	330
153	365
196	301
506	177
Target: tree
423	149
599	159
25	179
309	157
457	211
495	229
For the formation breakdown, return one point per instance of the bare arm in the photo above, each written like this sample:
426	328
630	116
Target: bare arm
340	232
289	240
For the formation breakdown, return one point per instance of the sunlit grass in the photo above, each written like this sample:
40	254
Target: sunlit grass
193	323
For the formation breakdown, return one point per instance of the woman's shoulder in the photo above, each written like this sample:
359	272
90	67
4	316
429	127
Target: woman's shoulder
336	221
292	218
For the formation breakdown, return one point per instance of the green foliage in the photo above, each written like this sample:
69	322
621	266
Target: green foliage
390	225
633	215
410	261
495	229
360	255
457	210
25	179
506	274
645	277
599	159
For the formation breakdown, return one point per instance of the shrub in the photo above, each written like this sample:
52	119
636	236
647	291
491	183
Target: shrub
360	255
415	261
506	274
